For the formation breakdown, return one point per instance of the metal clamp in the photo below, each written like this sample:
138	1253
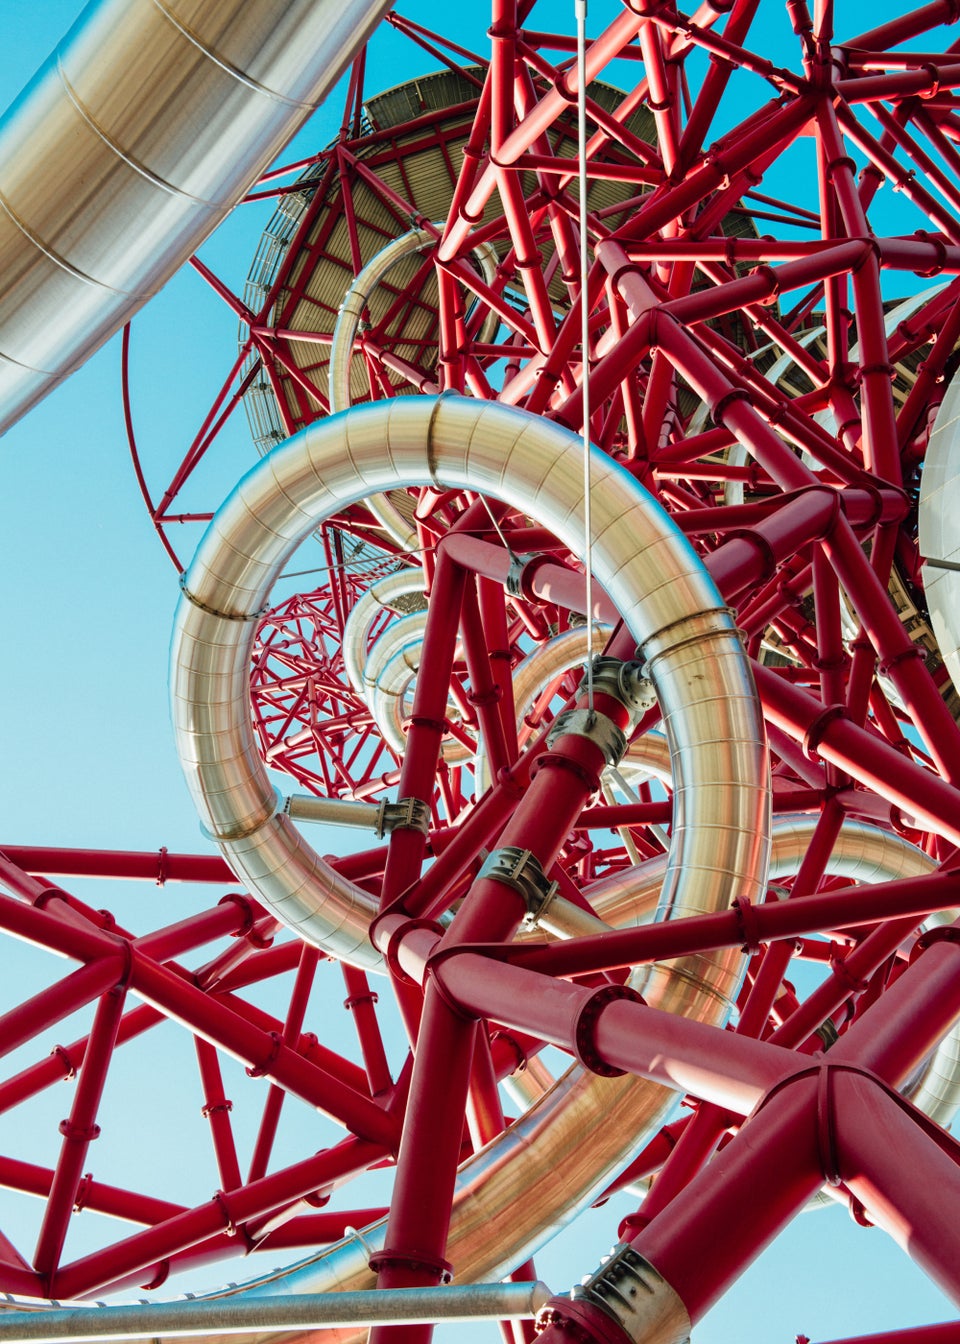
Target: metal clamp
629	1289
623	681
590	723
513	583
408	814
520	869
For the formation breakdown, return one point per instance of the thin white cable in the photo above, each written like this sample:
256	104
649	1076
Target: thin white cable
580	7
498	529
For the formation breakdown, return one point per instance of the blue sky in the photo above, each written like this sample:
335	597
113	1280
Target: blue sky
85	738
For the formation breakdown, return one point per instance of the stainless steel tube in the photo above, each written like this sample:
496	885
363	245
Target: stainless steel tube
939	541
516	1193
711	714
354	304
383	595
153	118
256	1315
332	811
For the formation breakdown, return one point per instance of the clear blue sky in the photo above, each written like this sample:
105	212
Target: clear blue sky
85	735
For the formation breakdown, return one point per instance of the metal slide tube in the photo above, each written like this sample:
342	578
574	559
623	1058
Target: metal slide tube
383	595
508	1201
657	580
345	331
938	541
142	177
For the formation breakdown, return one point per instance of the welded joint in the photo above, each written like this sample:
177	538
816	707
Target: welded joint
230	1227
250	916
769	275
597	727
406	814
818	729
628	1290
871	249
262	1069
828	1119
887	371
75	1133
852	983
940	250
720	407
240	831
66	1063
521	870
747	924
763	548
624	682
212	611
714	622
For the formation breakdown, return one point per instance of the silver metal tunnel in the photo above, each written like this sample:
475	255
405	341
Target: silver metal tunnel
517	1192
143	177
711	713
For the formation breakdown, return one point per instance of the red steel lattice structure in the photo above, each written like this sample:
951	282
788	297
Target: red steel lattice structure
770	496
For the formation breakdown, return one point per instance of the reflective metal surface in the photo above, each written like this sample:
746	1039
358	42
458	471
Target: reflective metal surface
251	1316
382	595
142	177
514	1194
349	318
939	535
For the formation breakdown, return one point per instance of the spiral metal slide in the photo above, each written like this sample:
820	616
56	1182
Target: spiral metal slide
631	671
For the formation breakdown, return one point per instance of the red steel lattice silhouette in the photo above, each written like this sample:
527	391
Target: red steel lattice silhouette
771	492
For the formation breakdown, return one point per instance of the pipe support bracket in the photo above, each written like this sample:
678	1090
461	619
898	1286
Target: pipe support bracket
596	727
624	682
521	870
628	1290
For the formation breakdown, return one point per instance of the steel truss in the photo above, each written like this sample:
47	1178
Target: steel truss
771	415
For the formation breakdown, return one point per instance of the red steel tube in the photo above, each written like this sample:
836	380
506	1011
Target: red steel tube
847	908
78	1133
867	758
492	910
46	929
292	1027
945	1332
231	916
627	1035
898	654
907	1180
58	1001
543	579
158	866
217	1108
263	1050
101	1269
65	1061
418	770
361	1001
849	976
419	1218
898	1031
129	1205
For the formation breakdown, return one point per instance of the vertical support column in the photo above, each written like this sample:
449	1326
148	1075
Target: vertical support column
79	1131
565	776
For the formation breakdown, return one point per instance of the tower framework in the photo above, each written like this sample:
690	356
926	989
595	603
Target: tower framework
700	668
